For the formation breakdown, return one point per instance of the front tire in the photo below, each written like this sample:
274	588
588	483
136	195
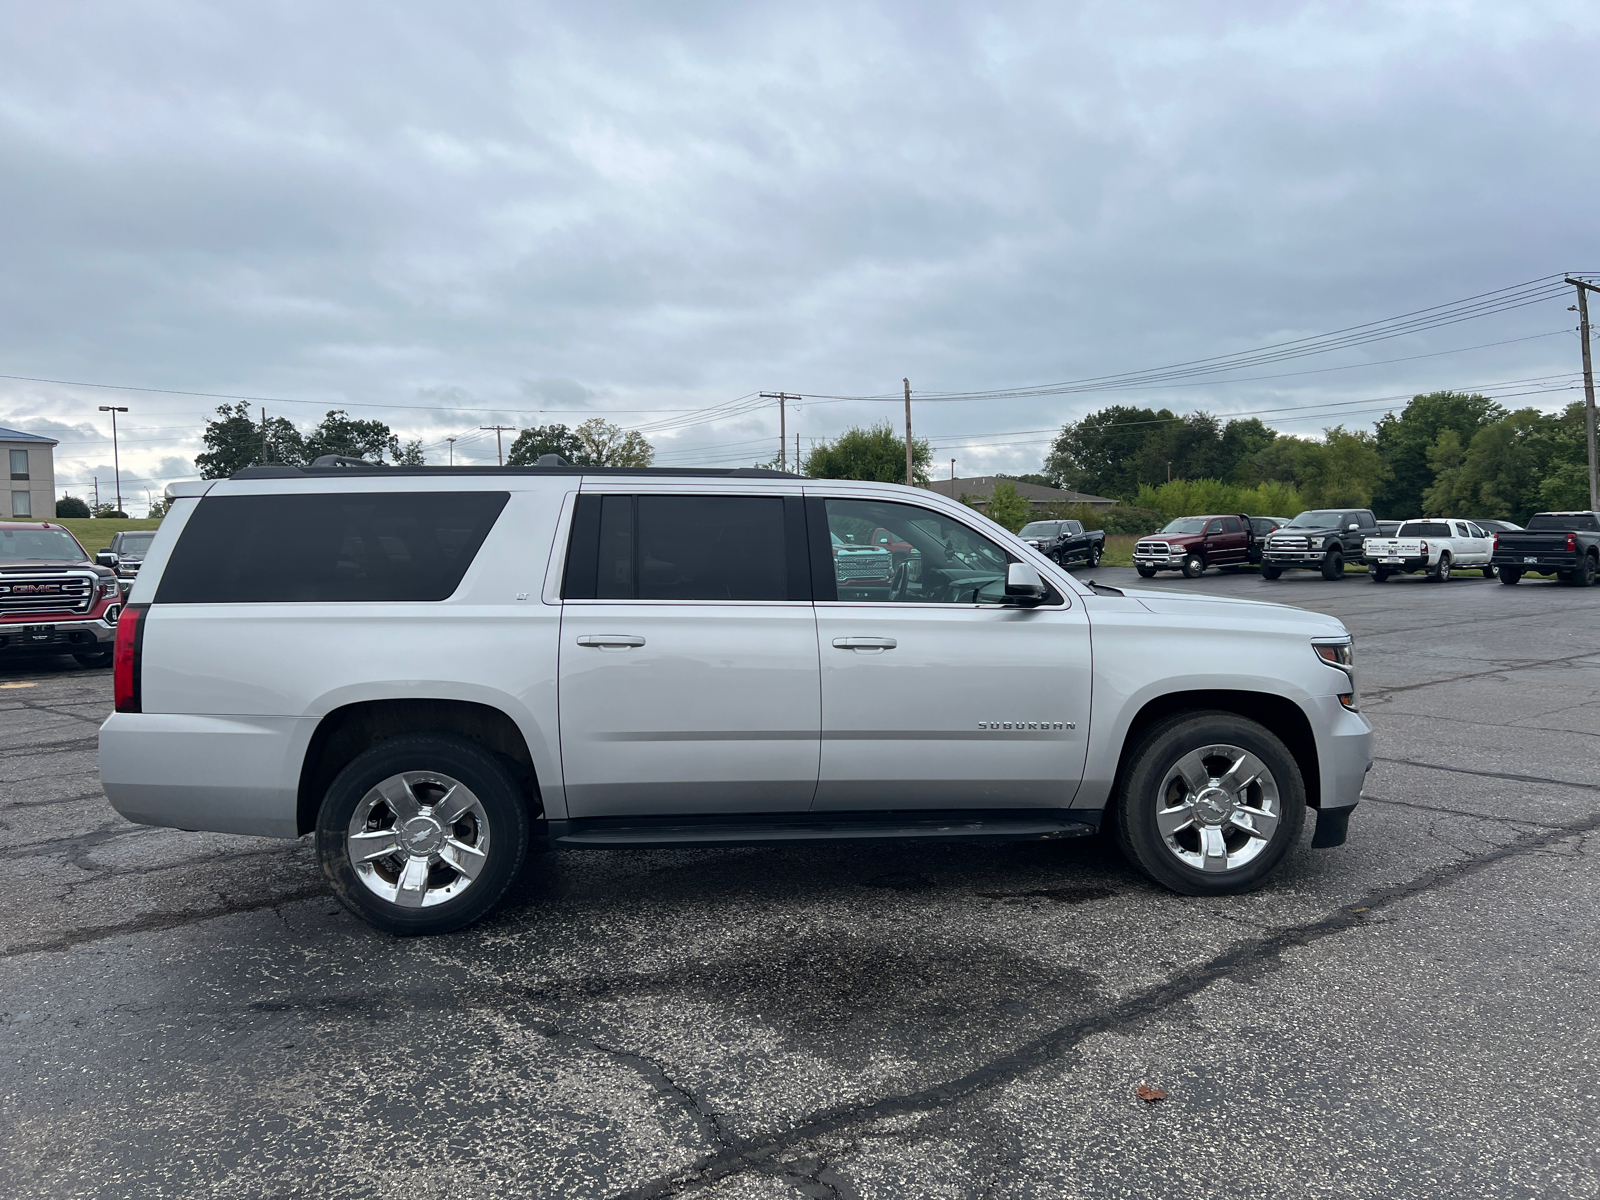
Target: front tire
1333	566
1270	571
422	834
102	659
1210	804
1147	572
1193	567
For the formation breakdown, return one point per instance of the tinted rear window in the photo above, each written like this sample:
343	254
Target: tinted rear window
328	547
1564	521
1420	529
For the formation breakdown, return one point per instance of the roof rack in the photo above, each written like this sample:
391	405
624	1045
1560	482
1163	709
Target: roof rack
342	467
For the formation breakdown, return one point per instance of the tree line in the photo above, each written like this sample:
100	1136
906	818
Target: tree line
1446	452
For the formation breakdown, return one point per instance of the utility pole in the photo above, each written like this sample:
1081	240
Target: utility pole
952	479
783	430
116	459
499	451
911	479
1588	387
452	442
97	494
797	451
264	457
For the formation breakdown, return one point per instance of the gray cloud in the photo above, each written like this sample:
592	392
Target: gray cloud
449	220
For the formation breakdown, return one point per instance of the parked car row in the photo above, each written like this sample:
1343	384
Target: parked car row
1563	545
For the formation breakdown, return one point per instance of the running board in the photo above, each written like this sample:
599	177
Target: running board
611	833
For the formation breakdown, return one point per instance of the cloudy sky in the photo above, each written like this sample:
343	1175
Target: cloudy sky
448	216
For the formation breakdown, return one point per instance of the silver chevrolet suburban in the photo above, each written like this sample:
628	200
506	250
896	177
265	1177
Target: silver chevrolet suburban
435	669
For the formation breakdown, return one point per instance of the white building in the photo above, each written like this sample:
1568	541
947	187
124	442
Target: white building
29	486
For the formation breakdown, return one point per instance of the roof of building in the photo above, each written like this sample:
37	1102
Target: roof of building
16	435
980	487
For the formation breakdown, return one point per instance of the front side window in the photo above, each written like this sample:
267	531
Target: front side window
745	548
1474	531
1213	527
328	547
943	561
21	504
19	464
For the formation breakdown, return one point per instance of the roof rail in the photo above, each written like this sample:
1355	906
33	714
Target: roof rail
332	464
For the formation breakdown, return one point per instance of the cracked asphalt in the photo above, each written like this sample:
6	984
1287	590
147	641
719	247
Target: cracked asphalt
1408	1015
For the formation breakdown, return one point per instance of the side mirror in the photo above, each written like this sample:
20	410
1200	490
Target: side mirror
106	558
1023	585
1352	525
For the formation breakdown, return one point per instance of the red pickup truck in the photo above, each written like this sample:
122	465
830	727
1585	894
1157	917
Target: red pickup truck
54	599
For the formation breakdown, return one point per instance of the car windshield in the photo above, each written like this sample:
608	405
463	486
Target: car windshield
1038	529
39	545
1317	518
1185	525
136	543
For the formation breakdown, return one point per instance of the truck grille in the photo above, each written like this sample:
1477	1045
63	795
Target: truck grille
42	593
1152	548
1289	543
856	568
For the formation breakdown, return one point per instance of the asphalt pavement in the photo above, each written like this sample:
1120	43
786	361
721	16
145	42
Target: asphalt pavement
1411	1014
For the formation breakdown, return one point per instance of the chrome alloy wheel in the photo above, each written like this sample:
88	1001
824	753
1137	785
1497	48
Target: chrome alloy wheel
417	839
1218	808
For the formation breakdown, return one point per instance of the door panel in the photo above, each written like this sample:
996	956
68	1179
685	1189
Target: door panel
715	710
972	707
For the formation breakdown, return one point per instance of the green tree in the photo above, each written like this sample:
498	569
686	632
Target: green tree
606	445
547	439
235	441
1403	442
1446	498
1006	507
1342	470
71	506
1507	465
370	440
877	454
1096	454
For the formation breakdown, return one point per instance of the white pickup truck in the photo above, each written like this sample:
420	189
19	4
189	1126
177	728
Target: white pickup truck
1436	546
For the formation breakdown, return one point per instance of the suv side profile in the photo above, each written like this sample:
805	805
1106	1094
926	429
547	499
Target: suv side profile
435	669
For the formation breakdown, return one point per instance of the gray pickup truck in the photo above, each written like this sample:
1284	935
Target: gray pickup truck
1563	544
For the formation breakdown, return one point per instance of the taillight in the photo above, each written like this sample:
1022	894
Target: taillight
1572	543
1424	547
1497	543
125	659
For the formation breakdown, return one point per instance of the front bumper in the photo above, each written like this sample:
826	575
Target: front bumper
1295	558
1158	560
1344	751
93	635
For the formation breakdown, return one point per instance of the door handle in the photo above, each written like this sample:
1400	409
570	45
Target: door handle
610	641
865	643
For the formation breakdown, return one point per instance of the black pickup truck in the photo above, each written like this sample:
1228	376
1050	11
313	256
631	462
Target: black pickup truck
1066	541
1563	544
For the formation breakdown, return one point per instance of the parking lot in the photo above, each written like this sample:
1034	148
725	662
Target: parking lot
1408	1015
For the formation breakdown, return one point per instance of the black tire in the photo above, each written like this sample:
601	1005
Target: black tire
1488	572
1150	763
1270	571
1378	576
102	659
1147	572
1094	556
1440	571
1333	566
504	831
1510	575
1193	567
1584	575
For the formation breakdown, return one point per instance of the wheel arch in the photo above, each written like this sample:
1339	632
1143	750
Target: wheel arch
353	728
1282	716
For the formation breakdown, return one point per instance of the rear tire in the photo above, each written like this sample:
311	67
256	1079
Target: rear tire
1488	572
1510	575
1379	576
1094	556
1584	575
1441	569
1174	812
1333	566
444	870
1269	571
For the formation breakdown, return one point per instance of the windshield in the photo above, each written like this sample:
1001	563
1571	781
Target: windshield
1185	525
1038	529
136	543
1317	518
39	545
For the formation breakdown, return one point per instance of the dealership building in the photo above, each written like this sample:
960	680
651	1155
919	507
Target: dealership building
31	488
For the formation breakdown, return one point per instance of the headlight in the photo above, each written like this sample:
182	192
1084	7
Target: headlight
1339	654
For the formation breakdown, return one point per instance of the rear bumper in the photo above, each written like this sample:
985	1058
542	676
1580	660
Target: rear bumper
225	774
1537	562
1392	563
56	635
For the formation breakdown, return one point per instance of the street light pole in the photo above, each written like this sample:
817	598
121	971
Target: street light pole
116	459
